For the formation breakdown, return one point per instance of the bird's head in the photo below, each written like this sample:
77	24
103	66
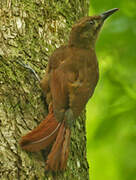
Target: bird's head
85	32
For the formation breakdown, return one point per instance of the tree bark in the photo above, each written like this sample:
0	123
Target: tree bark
29	32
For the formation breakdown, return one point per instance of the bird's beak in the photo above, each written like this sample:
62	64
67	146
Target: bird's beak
106	14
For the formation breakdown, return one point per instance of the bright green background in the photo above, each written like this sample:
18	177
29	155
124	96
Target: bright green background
111	113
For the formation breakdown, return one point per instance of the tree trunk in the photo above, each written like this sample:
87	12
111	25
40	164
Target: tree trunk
29	32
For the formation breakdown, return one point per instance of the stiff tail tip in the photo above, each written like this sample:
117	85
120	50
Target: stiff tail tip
57	158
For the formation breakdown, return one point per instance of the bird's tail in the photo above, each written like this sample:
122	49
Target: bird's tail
57	158
49	131
42	136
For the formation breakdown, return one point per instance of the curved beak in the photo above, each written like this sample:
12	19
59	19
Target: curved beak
106	14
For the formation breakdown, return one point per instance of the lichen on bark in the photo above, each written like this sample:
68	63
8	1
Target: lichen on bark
29	32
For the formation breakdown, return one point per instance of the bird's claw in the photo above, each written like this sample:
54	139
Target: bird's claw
30	68
69	118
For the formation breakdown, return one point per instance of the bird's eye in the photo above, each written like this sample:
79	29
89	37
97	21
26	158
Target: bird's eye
91	22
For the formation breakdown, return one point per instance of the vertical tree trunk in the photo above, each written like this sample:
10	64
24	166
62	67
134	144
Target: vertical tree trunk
29	32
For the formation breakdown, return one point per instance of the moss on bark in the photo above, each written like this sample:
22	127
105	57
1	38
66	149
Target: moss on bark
29	32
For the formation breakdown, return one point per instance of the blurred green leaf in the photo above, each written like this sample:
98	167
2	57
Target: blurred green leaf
111	113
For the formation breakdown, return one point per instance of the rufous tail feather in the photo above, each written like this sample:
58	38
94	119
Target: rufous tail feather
57	158
42	136
49	131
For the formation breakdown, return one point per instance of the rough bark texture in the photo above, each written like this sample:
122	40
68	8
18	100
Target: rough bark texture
29	32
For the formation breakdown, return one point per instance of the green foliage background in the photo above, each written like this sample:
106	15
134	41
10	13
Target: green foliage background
111	113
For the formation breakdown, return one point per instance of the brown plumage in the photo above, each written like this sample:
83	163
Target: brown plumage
42	136
70	80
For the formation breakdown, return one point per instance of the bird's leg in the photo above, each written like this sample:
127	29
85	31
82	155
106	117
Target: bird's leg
69	118
69	121
30	68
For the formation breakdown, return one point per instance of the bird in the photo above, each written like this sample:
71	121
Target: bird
71	76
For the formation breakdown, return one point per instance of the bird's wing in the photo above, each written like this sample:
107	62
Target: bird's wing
59	92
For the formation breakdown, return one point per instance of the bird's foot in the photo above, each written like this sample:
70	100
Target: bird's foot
69	118
30	68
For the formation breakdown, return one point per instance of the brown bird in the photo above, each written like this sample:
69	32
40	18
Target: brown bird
69	82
